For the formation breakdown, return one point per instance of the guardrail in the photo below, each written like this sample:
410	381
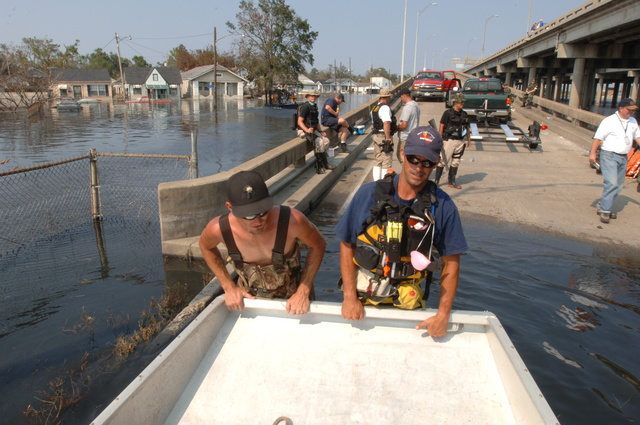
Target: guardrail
185	207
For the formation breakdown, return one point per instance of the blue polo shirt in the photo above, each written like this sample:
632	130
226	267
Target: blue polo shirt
448	238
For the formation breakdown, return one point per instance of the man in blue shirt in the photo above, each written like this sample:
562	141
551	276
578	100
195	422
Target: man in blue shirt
421	153
329	117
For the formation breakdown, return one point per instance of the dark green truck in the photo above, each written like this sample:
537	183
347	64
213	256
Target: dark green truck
485	100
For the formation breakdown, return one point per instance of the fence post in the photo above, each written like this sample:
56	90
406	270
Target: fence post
193	161
96	208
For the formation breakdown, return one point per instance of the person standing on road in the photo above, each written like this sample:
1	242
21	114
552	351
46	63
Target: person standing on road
616	133
532	88
309	128
409	119
329	118
384	127
454	128
263	241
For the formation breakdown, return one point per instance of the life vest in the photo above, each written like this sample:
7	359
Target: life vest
310	114
277	280
456	124
378	123
383	250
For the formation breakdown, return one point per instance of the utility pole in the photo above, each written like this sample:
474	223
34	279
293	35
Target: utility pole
124	93
215	64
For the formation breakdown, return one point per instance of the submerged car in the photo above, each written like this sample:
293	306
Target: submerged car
68	104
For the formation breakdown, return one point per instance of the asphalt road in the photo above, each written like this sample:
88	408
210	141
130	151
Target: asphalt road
551	189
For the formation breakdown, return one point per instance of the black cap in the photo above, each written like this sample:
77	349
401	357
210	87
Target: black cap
248	194
340	96
405	91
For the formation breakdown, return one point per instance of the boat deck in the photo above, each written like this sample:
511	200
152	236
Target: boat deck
254	366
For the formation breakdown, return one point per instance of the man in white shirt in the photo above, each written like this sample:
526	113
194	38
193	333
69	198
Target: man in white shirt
616	133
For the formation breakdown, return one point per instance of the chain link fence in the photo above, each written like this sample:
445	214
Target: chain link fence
41	202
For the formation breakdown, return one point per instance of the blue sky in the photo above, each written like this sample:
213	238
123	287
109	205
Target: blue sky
366	32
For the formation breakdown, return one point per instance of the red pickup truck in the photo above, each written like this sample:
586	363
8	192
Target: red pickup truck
432	84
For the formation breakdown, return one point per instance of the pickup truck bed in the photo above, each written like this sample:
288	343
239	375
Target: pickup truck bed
485	100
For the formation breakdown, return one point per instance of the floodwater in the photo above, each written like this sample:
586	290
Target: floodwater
570	308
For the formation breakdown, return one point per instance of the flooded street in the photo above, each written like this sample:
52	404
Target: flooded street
570	308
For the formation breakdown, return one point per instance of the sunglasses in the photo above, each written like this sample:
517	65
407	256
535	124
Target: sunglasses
415	161
253	217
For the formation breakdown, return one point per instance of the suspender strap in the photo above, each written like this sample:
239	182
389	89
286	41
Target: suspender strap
230	242
277	256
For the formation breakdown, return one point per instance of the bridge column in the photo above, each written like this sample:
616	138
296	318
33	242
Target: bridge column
576	82
599	91
634	85
532	75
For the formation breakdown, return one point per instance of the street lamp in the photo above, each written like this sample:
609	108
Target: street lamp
215	59
442	54
424	65
466	59
485	32
404	38
415	54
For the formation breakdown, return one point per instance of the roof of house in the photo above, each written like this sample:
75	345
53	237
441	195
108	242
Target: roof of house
81	75
139	75
199	71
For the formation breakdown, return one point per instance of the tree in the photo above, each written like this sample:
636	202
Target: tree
24	78
276	42
140	62
181	58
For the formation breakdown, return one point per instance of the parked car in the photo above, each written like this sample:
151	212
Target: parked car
485	100
432	84
68	104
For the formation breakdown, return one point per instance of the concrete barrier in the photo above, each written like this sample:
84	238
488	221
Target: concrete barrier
186	206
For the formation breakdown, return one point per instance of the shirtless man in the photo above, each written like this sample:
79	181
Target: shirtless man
268	266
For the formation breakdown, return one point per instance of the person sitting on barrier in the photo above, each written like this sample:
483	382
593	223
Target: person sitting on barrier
454	128
309	128
263	243
329	117
384	127
387	233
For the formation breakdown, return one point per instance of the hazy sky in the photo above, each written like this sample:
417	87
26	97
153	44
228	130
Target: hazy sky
366	32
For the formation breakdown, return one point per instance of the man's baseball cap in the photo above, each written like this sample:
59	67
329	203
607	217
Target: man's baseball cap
248	194
424	141
340	96
385	93
405	91
628	103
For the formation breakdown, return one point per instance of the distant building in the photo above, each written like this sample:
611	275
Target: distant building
156	82
81	83
199	81
381	82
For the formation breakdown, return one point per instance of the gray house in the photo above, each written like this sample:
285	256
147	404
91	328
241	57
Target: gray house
199	81
159	82
81	83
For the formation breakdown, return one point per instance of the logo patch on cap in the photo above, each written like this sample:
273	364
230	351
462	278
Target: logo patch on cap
247	192
426	137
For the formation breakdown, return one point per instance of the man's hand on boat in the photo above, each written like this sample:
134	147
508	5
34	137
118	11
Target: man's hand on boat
298	303
352	308
435	325
234	297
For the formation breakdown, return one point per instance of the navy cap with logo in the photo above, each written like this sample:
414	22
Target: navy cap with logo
628	103
424	141
248	194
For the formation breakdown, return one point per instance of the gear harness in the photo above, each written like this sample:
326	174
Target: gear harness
280	279
384	249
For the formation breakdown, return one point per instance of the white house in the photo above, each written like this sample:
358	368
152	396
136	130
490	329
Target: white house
381	82
199	81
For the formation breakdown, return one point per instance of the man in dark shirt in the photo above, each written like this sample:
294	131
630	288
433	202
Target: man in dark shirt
330	118
454	128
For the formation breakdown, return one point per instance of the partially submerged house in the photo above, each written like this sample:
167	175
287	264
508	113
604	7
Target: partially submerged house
159	82
199	82
81	83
